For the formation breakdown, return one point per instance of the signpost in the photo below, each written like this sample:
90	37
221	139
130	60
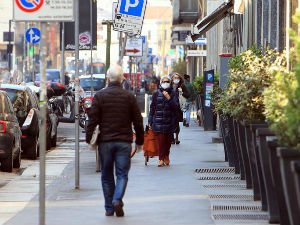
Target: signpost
196	53
33	35
130	16
42	11
209	122
134	47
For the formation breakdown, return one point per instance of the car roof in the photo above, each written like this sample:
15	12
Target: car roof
14	86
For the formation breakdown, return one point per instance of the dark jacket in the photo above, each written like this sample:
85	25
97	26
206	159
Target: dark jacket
163	112
115	110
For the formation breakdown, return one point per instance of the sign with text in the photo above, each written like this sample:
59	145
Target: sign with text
134	47
130	16
195	53
43	10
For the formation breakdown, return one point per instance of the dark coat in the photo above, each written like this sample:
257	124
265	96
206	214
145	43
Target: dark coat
115	110
163	112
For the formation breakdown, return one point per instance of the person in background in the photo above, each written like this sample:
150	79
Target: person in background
115	110
189	101
163	118
181	91
125	84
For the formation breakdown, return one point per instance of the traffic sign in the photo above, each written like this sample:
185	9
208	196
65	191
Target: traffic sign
33	35
43	10
134	47
129	17
196	53
199	41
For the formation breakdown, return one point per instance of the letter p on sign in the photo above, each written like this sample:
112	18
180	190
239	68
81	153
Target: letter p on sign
129	4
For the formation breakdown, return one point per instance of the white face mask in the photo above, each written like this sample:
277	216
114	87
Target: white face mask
165	85
176	81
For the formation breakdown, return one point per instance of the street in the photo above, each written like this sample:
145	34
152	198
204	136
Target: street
169	195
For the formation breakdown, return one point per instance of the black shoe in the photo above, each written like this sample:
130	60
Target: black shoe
173	142
109	213
184	122
118	209
187	125
177	142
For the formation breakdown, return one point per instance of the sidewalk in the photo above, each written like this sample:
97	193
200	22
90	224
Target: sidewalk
156	196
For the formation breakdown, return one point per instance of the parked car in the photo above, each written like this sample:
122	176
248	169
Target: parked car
10	135
26	107
99	82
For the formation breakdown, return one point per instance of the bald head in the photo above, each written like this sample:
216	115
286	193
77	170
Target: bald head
115	73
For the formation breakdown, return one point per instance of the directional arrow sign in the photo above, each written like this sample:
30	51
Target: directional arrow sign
134	47
33	35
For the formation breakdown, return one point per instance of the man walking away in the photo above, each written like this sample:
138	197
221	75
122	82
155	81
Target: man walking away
189	101
115	110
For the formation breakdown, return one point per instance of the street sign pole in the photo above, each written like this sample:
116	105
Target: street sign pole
130	70
42	133
91	25
108	44
77	182
62	72
9	40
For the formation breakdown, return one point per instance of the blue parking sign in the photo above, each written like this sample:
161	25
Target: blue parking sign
132	7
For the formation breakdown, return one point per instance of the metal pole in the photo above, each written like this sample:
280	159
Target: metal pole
24	54
288	34
62	71
76	2
130	70
122	50
108	42
9	40
91	45
42	133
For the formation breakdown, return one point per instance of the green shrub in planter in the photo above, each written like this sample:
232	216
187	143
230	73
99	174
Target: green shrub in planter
198	85
282	99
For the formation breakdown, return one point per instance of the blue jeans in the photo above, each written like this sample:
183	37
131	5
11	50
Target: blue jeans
187	113
114	154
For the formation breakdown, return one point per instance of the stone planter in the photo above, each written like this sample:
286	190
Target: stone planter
265	158
286	156
277	181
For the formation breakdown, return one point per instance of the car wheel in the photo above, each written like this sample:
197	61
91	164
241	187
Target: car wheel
32	151
17	160
7	164
53	141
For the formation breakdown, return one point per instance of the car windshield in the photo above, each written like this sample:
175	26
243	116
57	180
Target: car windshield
86	83
98	68
51	76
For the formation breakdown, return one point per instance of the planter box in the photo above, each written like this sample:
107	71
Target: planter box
295	165
286	156
239	154
228	149
277	182
265	158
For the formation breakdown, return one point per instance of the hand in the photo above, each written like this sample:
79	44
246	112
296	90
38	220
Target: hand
180	89
150	126
138	148
166	94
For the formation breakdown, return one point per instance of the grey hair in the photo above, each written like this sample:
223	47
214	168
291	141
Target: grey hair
164	77
115	73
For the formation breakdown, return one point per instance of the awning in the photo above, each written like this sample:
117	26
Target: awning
212	19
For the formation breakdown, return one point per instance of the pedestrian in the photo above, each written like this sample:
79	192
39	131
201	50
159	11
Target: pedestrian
189	101
163	118
183	94
125	84
115	110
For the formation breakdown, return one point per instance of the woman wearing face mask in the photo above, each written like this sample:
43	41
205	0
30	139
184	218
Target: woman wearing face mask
163	117
179	88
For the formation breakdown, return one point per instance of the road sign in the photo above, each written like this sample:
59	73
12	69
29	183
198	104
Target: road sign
196	53
134	47
114	9
43	10
199	41
33	35
129	17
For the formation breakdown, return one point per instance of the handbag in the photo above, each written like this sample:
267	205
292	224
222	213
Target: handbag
94	139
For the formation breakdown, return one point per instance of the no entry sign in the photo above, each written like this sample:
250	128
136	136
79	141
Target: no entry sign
43	10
